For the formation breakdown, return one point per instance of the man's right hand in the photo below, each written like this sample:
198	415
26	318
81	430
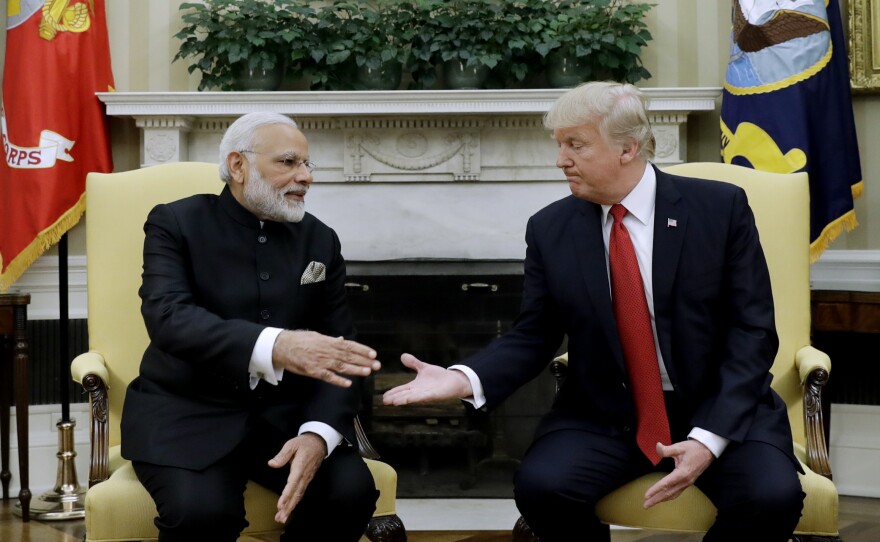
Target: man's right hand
432	383
325	358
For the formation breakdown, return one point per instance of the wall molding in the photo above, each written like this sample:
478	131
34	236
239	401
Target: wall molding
848	270
854	449
41	282
845	270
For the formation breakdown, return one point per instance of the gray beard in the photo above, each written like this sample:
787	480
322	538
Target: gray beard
269	202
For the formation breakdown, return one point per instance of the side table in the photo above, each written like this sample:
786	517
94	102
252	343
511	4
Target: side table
14	361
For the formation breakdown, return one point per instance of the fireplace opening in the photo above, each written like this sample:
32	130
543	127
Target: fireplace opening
448	449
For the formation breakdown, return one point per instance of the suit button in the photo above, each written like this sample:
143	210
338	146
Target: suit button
264	275
626	429
264	314
262	239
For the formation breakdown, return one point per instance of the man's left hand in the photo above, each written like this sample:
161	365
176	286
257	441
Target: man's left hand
305	454
691	459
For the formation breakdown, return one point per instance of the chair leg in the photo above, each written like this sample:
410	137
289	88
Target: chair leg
386	529
523	533
812	538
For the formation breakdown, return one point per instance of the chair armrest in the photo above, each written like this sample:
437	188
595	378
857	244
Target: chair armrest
89	363
814	368
90	370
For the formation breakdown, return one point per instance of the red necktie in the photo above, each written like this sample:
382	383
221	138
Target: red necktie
637	339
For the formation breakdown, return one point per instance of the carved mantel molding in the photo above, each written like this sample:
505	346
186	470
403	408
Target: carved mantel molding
171	121
407	175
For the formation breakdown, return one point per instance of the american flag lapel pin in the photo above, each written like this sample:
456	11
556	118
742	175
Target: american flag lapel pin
671	223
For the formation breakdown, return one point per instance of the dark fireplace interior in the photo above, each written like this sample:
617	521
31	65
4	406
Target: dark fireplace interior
443	450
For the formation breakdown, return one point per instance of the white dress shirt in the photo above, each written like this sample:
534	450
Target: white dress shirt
261	368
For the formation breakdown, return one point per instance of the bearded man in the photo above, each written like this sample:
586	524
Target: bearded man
252	372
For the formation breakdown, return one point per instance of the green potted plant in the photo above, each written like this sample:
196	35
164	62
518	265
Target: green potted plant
245	44
596	39
530	39
363	44
466	38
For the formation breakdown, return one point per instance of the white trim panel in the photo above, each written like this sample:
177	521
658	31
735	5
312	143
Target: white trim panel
849	270
855	449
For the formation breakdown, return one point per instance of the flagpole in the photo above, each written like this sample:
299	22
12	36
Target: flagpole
67	499
64	327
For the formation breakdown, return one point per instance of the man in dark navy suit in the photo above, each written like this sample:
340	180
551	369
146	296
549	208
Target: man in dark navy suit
251	371
709	329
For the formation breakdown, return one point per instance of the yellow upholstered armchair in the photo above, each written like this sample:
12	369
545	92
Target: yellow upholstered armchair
117	507
782	212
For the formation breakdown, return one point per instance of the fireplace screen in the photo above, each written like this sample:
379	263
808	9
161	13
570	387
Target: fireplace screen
443	450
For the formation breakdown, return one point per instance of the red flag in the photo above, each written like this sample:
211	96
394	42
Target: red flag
54	128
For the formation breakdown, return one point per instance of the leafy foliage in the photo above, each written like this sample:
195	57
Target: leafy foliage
607	34
361	34
224	37
326	41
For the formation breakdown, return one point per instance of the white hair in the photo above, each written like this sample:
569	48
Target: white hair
242	135
618	109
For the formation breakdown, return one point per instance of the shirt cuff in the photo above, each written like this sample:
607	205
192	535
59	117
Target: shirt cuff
331	436
715	443
260	366
479	397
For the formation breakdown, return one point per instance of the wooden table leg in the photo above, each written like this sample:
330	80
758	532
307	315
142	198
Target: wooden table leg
20	355
5	404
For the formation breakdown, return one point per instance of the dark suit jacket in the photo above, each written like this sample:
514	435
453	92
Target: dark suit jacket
212	281
713	307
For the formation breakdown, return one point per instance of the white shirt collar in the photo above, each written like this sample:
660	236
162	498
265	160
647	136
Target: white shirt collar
640	201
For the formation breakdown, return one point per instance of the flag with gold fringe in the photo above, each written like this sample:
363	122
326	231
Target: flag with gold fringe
787	105
54	128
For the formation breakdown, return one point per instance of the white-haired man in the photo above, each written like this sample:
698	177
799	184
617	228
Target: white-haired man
251	372
661	286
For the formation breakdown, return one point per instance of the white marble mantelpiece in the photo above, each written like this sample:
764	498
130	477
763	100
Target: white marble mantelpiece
360	103
440	175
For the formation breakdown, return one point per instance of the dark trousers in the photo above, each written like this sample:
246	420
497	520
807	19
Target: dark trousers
754	486
209	504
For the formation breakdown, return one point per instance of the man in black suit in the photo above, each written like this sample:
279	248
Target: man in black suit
251	371
710	335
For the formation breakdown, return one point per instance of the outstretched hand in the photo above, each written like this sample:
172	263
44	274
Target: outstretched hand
431	384
691	459
325	358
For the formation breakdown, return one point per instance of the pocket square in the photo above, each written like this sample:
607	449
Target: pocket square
315	272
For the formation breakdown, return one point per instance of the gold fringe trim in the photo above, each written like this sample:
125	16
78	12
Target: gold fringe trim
857	189
830	233
44	240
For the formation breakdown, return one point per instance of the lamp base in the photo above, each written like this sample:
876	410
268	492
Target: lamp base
48	507
66	500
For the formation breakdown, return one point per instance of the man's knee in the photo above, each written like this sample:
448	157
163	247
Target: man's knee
537	482
353	490
360	496
545	500
782	500
215	513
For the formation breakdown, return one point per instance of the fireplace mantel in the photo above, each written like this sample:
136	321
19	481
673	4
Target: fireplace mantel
439	175
412	102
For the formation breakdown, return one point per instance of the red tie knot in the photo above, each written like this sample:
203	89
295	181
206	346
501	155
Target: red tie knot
618	211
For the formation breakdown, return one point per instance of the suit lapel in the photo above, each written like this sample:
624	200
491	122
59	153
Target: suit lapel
590	250
670	226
